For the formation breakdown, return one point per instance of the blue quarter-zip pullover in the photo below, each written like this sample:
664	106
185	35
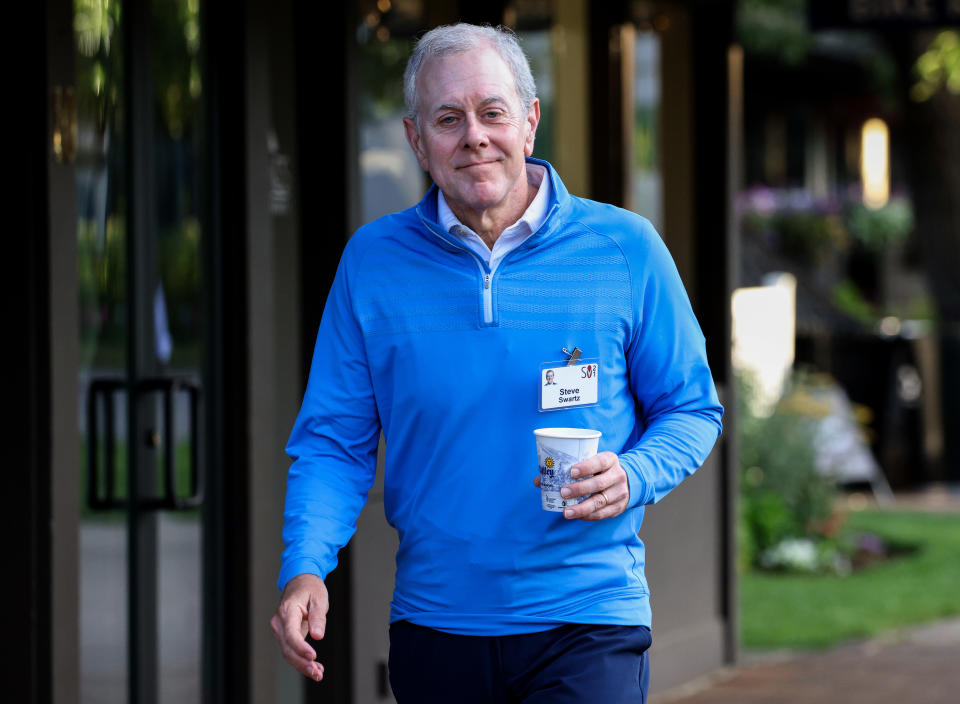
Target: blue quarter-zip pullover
421	339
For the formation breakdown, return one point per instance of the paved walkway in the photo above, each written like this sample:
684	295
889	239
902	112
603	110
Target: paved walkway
919	666
940	498
916	666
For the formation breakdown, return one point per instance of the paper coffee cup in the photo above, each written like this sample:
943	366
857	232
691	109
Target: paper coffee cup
558	449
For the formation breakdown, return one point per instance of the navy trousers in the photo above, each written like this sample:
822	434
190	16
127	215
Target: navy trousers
572	664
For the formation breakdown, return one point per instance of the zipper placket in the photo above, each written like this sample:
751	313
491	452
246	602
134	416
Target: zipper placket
487	298
486	277
486	294
486	291
488	287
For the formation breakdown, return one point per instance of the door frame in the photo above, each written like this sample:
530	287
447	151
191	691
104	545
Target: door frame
43	522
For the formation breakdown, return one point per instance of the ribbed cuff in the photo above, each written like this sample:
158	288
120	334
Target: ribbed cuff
641	492
301	565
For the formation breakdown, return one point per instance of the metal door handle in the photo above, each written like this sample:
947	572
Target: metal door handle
102	491
107	499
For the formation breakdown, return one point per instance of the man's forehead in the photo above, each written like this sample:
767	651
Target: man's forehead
480	76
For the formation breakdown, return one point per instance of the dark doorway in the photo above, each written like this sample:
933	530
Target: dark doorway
130	142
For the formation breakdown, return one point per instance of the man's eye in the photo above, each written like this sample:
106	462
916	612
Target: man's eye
492	114
448	120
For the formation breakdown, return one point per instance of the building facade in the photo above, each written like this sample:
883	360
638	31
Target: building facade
191	172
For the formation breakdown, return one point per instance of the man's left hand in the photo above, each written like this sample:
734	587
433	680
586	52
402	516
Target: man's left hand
605	479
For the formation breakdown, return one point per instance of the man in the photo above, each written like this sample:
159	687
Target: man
496	270
550	375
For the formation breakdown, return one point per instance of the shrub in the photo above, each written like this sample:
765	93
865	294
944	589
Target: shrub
783	495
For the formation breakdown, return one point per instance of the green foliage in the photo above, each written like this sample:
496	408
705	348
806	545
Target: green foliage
778	29
849	299
808	237
645	131
814	236
782	494
938	66
103	297
882	227
820	610
98	34
381	75
102	289
807	229
774	27
811	237
177	75
766	521
179	264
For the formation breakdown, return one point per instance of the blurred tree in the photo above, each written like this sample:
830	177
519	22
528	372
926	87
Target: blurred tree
775	27
938	67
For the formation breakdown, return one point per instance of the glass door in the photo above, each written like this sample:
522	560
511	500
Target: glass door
140	170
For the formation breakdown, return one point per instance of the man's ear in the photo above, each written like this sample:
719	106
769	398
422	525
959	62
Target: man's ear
413	139
532	120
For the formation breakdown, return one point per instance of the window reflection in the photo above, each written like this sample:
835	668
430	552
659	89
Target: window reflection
100	197
646	190
533	21
390	178
178	152
102	299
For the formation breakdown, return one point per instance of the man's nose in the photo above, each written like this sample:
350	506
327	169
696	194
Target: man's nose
475	136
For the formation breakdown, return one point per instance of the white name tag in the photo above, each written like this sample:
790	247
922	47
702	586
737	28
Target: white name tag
564	386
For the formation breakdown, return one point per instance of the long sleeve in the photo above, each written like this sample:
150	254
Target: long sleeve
333	444
669	378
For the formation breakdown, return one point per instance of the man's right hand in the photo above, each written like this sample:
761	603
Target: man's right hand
303	608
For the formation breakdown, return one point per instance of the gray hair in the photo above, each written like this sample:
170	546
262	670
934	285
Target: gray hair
458	38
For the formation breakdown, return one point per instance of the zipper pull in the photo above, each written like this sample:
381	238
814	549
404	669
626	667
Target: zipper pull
486	280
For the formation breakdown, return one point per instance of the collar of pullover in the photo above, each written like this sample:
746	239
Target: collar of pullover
559	201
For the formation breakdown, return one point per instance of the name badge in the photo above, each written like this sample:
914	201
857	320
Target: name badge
564	385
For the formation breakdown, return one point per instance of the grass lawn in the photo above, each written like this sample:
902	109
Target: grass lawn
814	611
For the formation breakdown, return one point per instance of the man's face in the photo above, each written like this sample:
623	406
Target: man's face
549	377
473	136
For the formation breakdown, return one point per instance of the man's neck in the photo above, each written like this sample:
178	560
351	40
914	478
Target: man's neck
489	224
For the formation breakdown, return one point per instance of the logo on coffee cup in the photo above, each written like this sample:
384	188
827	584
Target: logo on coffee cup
549	462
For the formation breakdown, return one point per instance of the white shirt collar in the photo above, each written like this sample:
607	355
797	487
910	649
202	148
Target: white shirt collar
529	222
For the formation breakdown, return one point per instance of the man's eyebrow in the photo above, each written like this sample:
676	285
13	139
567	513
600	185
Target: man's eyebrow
447	106
494	99
483	103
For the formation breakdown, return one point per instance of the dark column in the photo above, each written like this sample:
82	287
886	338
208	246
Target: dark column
712	35
26	514
716	256
607	154
323	147
227	516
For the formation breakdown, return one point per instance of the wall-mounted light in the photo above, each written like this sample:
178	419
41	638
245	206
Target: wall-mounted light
875	163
